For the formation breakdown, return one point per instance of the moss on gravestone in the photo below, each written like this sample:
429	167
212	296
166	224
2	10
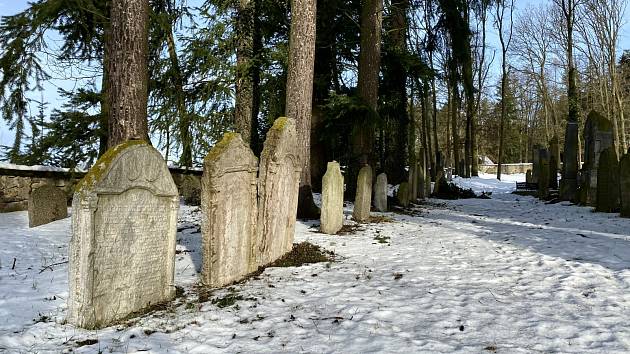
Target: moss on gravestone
101	166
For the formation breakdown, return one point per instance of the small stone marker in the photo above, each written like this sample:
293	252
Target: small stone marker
191	190
380	193
543	173
607	182
403	194
124	225
45	205
229	212
624	185
278	187
363	197
331	219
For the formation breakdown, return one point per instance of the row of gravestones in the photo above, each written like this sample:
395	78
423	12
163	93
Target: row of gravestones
604	180
417	187
124	223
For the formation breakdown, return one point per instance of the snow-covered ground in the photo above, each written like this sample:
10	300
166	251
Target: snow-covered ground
508	275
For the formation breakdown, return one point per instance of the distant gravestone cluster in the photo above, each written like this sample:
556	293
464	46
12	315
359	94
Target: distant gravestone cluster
603	180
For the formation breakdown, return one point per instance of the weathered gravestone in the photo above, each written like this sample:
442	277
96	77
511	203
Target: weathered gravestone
569	182
607	199
413	182
380	193
421	176
403	194
278	187
536	163
124	222
597	137
46	204
624	185
190	189
363	197
543	173
331	218
229	212
528	176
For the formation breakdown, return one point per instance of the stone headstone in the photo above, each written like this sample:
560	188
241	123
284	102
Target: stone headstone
528	176
624	185
535	163
421	176
278	187
413	182
363	197
597	137
568	183
190	189
403	194
554	153
436	185
380	193
229	212
607	199
45	205
124	225
543	173
331	218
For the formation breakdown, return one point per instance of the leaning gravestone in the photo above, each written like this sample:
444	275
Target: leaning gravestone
607	200
403	194
543	173
331	218
363	197
624	185
278	187
597	137
380	193
122	251
229	212
45	205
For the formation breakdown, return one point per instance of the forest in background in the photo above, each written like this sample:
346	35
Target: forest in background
391	79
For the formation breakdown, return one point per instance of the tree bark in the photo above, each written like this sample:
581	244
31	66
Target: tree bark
244	61
368	80
127	80
300	94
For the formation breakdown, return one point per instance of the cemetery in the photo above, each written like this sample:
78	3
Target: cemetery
314	177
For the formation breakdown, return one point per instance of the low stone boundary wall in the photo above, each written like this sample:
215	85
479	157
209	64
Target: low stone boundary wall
17	182
507	168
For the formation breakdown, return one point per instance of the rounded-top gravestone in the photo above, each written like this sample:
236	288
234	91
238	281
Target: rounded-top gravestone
331	218
124	225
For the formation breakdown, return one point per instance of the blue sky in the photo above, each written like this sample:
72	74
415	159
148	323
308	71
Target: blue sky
10	7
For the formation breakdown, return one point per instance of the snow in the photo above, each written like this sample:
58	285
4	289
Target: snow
10	166
510	274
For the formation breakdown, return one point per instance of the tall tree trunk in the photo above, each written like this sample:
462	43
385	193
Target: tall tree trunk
570	166
436	143
255	140
244	62
300	94
369	66
127	79
454	131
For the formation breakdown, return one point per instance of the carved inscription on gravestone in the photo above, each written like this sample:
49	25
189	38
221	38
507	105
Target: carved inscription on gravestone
228	205
279	182
122	251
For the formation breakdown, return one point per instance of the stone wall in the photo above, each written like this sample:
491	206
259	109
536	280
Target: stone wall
17	182
506	168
